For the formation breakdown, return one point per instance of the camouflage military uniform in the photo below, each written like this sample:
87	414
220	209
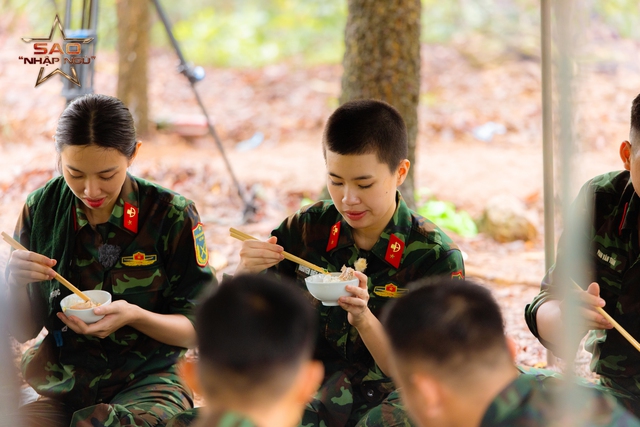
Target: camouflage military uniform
410	248
151	253
227	419
533	401
613	253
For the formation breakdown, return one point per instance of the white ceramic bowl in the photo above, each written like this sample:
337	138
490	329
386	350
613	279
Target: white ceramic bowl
86	315
328	292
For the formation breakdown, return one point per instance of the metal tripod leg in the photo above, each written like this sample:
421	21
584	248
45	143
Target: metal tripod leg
194	75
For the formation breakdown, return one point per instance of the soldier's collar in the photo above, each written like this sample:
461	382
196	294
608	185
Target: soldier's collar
340	235
391	244
629	210
125	213
510	398
399	226
78	215
128	198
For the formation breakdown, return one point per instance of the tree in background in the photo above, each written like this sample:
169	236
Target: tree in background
382	61
133	54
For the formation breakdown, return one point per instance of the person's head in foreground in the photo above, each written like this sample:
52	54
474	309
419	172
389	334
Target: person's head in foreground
365	150
630	150
256	337
96	142
449	352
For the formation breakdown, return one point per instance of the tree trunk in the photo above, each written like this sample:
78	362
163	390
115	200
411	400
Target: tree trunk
133	54
382	61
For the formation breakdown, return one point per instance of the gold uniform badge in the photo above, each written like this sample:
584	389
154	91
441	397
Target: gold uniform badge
389	290
138	259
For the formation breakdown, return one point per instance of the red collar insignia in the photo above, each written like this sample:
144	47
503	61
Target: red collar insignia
334	236
394	251
130	217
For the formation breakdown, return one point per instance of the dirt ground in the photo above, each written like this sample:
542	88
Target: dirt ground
288	104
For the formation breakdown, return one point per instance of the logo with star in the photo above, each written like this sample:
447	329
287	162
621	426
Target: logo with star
73	78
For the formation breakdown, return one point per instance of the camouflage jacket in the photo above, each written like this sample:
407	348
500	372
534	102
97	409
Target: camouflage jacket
411	247
151	253
611	208
227	419
533	401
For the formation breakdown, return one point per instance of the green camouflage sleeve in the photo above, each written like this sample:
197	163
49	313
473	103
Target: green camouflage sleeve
289	238
450	265
581	210
187	268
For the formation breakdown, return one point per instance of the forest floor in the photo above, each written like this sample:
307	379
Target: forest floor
288	103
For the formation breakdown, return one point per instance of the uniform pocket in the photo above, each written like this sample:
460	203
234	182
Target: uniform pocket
143	287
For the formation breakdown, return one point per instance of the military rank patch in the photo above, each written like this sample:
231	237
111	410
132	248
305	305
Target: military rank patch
202	254
394	251
130	217
334	236
138	259
457	275
389	290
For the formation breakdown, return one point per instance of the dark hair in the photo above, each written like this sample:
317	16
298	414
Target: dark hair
367	126
254	329
100	120
635	118
448	323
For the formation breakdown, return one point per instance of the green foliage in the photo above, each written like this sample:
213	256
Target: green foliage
443	21
445	215
247	33
257	33
621	15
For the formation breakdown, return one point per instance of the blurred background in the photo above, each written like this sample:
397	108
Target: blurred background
465	73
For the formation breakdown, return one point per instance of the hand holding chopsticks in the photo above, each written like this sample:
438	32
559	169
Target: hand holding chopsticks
237	234
615	324
16	245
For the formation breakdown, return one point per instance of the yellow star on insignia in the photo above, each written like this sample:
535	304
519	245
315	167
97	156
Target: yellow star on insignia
74	77
392	256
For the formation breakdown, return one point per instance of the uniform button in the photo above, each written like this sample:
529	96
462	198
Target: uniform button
369	392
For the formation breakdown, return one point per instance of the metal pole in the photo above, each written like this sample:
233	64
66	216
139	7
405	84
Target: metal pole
570	395
547	136
547	143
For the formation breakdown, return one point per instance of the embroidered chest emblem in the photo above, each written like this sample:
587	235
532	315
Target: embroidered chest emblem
389	291
139	259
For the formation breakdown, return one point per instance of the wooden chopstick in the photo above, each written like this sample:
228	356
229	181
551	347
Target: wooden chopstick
16	245
615	324
237	234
